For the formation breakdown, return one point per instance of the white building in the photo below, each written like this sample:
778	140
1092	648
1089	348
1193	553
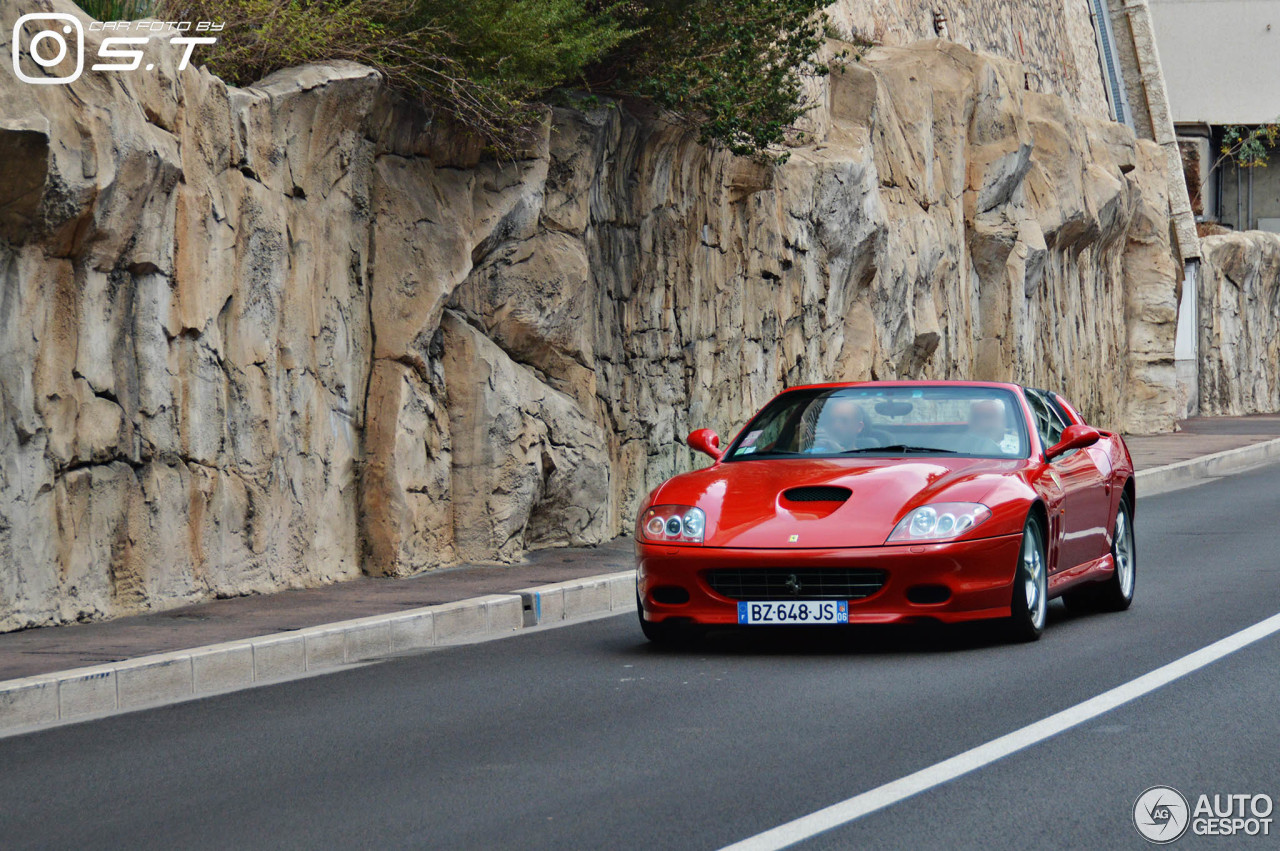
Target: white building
1222	68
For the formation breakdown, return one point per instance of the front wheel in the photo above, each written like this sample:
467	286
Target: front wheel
1030	603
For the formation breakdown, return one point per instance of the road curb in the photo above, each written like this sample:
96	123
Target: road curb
99	690
578	598
1193	471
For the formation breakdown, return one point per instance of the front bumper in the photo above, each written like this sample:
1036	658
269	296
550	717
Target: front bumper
977	574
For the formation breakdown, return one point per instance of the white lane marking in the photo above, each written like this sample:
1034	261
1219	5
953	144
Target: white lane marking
891	793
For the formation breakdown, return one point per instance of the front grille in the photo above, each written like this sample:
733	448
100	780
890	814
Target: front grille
780	583
818	493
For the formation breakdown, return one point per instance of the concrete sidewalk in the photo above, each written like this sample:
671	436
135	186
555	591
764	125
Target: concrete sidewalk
64	673
1200	436
38	651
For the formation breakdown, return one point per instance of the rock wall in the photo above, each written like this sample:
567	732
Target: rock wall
184	338
1239	307
276	336
1053	40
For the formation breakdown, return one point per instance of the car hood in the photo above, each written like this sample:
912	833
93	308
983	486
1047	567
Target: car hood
745	506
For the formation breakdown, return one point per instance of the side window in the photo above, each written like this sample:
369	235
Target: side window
1056	404
1057	422
1048	424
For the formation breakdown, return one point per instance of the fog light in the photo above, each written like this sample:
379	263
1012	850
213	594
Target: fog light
669	595
928	595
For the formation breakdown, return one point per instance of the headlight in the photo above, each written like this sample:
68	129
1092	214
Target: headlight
673	524
939	521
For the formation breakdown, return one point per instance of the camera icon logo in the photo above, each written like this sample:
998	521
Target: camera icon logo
48	47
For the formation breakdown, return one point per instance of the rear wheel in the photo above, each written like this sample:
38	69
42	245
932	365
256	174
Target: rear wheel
1115	593
1030	604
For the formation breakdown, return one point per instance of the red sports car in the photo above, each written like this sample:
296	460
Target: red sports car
891	502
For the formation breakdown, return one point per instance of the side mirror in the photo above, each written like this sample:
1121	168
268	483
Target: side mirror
1073	437
705	441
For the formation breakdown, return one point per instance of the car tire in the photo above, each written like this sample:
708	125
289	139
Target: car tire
665	634
1115	593
1029	608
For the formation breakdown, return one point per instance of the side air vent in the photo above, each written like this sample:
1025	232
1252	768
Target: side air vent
817	493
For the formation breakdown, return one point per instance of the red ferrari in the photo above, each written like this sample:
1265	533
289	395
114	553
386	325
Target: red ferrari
892	502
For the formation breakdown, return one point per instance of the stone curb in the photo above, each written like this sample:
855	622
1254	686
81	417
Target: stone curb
579	598
1184	474
99	690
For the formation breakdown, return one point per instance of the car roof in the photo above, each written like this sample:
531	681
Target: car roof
939	383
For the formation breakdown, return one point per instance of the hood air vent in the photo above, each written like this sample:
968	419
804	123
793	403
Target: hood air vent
817	493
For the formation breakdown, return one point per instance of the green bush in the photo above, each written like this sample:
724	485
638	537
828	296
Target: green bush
417	57
731	69
525	48
1248	146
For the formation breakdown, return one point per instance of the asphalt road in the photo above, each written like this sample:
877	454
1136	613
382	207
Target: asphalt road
586	737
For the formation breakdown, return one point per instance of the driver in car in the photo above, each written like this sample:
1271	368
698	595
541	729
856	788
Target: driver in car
841	428
986	430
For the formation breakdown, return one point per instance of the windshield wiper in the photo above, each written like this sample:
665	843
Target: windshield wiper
898	447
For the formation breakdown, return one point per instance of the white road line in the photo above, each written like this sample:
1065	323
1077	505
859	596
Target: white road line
854	808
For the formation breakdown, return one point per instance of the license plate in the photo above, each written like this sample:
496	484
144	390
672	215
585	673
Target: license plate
793	612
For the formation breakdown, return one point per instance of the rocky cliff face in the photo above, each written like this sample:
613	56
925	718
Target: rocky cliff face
268	337
1239	301
1053	40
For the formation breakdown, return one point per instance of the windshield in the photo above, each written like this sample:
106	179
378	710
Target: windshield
872	420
